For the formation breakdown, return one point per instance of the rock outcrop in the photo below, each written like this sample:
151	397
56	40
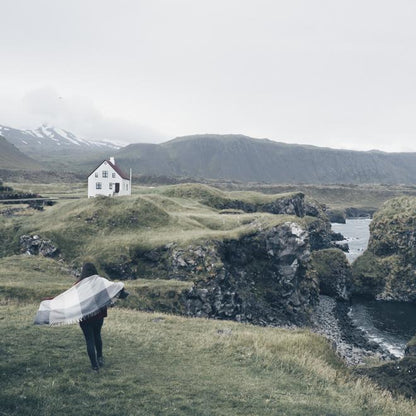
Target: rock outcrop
264	277
35	245
354	212
337	216
334	273
410	350
387	270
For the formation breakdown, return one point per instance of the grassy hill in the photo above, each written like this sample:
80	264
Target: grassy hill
12	158
241	158
160	364
113	229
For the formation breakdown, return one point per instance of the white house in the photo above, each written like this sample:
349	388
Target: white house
108	180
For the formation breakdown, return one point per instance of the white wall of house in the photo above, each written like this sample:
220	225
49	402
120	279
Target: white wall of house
106	181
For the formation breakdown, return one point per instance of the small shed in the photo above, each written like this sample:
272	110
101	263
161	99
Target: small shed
108	179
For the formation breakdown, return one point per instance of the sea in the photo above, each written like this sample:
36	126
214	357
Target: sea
390	324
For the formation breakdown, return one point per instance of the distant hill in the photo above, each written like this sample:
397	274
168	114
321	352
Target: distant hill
12	158
243	158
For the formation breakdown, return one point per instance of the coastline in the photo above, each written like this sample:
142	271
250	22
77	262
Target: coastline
331	319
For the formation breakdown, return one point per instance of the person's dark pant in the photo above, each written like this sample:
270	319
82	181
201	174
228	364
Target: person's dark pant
92	333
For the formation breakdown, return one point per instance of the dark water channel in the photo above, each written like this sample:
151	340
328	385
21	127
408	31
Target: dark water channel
390	324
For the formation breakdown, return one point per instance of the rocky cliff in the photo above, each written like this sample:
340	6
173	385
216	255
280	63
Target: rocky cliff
264	277
387	270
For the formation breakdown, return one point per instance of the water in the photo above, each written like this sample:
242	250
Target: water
356	233
390	324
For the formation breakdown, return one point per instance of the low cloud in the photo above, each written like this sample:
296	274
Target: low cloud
77	114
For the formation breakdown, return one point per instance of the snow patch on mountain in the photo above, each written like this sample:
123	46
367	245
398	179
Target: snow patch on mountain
52	137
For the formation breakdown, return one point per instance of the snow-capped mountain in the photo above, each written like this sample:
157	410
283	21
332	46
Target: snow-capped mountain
48	139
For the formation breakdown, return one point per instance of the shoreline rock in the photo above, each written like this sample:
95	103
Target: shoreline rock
332	320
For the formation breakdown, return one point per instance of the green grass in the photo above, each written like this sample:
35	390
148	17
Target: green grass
217	198
31	278
166	365
370	196
53	190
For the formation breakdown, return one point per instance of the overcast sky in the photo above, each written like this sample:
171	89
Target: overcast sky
337	73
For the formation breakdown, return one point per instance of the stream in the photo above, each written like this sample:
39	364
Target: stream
390	324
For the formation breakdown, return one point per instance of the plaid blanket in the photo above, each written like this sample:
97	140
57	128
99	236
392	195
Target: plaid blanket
81	301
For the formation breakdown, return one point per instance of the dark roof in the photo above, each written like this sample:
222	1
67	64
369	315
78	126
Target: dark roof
115	167
118	170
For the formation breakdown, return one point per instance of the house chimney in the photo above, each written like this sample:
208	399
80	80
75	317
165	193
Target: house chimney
112	160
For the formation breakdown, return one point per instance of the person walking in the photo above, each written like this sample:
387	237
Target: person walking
91	326
85	302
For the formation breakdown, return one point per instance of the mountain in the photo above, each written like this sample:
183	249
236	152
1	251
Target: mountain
242	158
51	141
13	158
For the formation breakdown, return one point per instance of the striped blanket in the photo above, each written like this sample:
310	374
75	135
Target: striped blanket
81	301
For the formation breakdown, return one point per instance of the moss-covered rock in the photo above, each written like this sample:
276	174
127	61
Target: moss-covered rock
337	215
399	377
410	349
333	272
369	275
387	270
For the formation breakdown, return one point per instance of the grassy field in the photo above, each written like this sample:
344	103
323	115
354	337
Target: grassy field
53	190
334	196
159	364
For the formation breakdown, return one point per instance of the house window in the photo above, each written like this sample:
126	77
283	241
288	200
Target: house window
127	186
105	173
110	185
98	185
96	174
113	174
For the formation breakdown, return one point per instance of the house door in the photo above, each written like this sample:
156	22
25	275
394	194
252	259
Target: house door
117	190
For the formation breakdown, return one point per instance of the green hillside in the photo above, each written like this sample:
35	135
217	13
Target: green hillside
12	158
241	158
